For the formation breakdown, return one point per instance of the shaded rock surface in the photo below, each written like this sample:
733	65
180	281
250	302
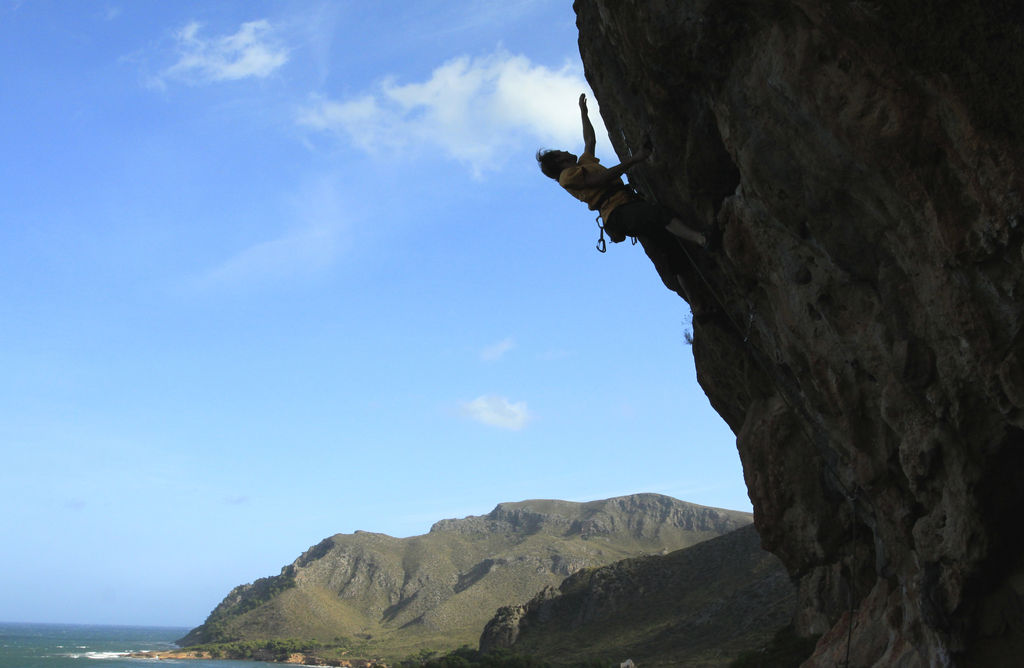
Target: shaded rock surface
860	329
439	589
700	606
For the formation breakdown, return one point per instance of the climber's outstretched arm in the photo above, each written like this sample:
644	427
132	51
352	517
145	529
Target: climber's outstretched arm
589	137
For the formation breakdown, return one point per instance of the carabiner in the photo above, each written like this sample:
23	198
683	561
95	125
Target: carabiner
601	245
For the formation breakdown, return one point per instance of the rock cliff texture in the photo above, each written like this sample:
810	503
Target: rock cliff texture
386	595
700	606
860	328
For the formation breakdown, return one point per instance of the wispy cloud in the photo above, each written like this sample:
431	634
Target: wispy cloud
300	252
312	245
496	351
497	411
473	110
12	5
252	51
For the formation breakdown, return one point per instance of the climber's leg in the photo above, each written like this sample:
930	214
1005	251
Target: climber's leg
643	218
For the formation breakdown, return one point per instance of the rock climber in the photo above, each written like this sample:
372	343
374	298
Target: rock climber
601	188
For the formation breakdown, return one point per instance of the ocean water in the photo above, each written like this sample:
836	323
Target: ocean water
80	646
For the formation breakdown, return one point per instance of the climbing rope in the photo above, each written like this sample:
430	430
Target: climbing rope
758	357
784	393
745	331
853	581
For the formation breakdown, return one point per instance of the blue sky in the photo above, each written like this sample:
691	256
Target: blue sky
275	271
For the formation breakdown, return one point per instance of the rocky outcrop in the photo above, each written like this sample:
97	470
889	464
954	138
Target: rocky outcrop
439	589
703	605
860	328
640	516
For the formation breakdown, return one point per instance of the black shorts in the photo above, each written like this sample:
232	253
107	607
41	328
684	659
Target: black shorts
636	218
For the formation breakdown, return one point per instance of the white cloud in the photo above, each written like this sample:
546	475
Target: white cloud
496	351
497	411
474	110
252	51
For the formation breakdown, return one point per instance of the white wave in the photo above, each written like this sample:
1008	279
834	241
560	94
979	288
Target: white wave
108	656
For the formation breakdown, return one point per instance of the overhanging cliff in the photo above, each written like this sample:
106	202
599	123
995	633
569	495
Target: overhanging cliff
860	329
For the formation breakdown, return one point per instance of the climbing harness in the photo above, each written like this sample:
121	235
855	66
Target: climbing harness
605	196
602	245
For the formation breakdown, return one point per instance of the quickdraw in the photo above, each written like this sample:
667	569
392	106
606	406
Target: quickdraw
602	245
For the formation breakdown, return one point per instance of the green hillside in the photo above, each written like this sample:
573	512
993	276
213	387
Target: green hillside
702	606
395	596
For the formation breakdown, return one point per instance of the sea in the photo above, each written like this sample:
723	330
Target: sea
84	646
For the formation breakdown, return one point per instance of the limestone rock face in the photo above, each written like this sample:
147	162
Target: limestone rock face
860	328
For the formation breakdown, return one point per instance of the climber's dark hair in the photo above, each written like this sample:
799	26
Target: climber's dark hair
548	164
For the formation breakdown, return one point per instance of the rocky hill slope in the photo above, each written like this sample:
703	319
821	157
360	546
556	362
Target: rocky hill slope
700	606
861	328
397	595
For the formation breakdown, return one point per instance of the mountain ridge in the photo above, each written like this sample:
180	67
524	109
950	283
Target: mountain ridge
438	589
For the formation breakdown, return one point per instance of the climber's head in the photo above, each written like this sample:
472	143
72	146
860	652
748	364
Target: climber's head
553	162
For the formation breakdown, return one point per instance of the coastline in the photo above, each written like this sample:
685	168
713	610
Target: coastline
297	658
